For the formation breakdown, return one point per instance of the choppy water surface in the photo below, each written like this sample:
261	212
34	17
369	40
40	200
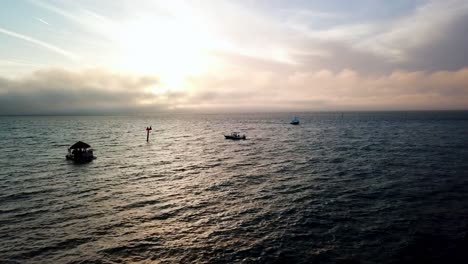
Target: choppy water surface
352	188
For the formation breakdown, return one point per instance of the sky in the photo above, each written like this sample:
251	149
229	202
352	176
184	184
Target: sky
85	56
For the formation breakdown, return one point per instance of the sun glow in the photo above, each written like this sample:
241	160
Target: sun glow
173	49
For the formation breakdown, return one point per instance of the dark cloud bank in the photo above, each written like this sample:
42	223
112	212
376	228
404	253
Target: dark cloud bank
57	91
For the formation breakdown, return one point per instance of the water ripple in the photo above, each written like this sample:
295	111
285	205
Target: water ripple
363	188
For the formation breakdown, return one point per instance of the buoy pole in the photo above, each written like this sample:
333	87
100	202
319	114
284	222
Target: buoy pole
147	133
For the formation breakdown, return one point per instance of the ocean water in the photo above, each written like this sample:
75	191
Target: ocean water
370	187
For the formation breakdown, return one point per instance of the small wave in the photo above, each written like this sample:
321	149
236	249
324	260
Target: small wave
139	204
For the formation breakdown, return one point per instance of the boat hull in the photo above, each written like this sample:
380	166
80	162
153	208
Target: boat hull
82	159
234	138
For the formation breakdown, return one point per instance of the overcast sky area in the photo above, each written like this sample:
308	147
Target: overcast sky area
86	56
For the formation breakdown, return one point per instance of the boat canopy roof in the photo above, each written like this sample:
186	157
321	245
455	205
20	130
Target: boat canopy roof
79	145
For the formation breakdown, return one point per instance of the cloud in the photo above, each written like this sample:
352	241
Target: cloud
430	23
430	38
408	41
327	90
61	91
56	91
40	43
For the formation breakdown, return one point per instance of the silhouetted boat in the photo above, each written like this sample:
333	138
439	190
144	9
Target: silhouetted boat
295	121
80	152
235	136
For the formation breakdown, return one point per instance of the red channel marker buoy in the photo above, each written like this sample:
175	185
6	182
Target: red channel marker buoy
148	129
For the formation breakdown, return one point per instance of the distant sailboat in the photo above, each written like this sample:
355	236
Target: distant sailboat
295	121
